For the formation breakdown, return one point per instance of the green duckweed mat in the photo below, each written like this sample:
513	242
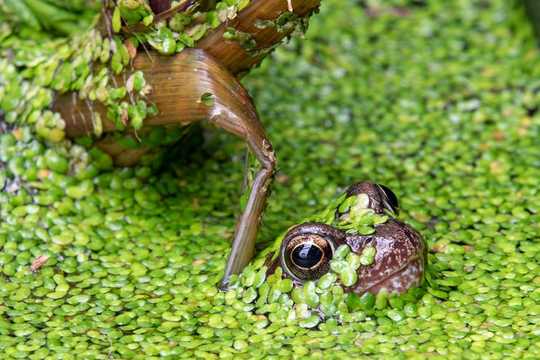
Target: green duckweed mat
438	100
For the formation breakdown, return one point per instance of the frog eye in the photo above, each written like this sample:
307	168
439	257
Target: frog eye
306	251
390	199
307	255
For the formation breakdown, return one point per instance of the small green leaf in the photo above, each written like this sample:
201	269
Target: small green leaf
207	99
367	257
116	20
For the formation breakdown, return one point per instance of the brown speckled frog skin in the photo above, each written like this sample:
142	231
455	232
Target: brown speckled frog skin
401	254
399	262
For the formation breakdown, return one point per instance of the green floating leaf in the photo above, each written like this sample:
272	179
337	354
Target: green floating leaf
367	256
348	276
207	99
116	20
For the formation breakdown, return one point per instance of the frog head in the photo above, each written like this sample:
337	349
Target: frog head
359	240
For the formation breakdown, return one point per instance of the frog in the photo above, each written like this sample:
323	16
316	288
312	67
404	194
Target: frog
156	64
353	259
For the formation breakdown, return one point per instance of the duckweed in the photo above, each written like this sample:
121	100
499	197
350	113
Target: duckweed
437	99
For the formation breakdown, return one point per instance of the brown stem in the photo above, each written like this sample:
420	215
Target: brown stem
163	72
231	54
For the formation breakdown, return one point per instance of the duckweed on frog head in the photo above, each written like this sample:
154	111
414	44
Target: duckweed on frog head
440	104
